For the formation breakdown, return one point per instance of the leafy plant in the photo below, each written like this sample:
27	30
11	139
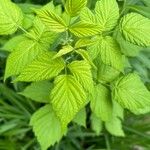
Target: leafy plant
77	59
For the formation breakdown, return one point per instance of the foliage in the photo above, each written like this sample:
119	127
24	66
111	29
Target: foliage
81	62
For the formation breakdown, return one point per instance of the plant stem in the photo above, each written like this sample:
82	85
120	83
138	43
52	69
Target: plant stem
27	33
107	142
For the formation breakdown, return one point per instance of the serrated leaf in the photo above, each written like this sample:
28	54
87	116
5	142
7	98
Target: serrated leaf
11	44
130	92
109	52
88	16
65	50
127	48
86	57
67	98
26	51
38	91
51	20
81	29
73	7
10	17
114	127
80	117
29	49
96	124
107	14
82	72
42	68
101	103
136	29
46	127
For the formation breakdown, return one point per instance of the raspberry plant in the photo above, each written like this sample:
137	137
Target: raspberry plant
76	58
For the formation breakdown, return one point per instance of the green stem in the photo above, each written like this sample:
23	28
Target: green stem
27	33
107	142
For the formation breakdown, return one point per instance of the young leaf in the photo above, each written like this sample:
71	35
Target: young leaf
80	117
73	7
81	29
65	50
136	29
107	14
67	98
38	91
114	127
82	72
96	124
109	52
130	92
101	104
85	56
46	127
84	43
42	68
10	17
52	21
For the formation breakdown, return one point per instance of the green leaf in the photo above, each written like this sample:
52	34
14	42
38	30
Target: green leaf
109	52
84	43
130	92
114	127
88	16
29	49
81	29
42	68
127	48
107	14
73	7
65	50
38	91
82	72
46	127
25	52
86	56
51	20
106	73
80	117
10	17
136	29
11	44
67	98
96	124
101	103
